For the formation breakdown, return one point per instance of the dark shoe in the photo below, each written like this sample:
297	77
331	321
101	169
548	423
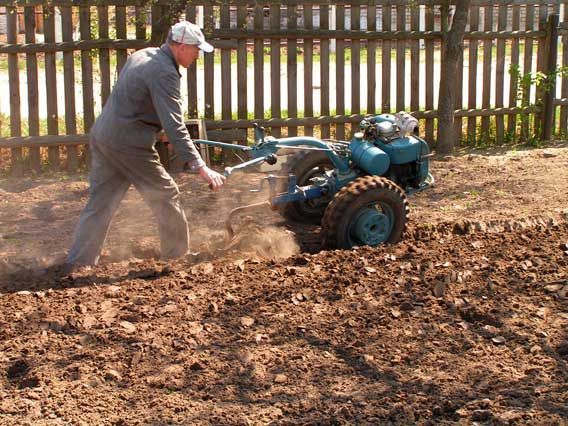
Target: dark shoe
69	268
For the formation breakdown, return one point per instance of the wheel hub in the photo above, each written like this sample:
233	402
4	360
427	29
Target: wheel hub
372	225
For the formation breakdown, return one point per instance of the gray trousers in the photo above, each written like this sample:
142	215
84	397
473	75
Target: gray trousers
111	174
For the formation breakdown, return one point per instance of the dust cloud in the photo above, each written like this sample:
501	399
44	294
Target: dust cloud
257	231
269	242
134	231
38	220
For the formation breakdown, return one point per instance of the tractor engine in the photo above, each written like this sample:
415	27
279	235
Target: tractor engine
388	145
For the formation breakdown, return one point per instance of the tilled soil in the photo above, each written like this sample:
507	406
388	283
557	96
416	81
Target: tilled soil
464	321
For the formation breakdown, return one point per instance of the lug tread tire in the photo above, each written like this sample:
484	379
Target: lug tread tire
353	196
300	164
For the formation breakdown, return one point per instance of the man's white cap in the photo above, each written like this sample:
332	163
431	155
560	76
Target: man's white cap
188	33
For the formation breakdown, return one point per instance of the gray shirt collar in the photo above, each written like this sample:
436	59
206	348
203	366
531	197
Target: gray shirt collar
165	48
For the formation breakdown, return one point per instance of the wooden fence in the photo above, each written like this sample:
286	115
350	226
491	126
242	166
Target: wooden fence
296	68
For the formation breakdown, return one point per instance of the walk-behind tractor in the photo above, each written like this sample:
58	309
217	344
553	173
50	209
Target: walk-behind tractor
357	190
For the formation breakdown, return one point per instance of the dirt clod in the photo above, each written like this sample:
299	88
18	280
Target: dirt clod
498	340
113	375
128	327
439	289
280	378
247	321
481	415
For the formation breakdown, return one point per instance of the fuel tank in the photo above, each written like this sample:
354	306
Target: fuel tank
404	150
368	157
407	150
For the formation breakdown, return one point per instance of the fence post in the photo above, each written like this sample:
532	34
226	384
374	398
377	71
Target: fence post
14	77
160	23
551	58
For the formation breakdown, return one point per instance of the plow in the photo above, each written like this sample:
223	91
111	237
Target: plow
357	190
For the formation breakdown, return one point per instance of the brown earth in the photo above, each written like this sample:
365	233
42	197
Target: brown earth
464	321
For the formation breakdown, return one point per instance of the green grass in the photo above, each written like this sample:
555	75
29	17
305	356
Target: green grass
487	139
25	130
4	125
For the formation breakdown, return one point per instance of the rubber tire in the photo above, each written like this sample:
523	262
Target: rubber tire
302	165
356	195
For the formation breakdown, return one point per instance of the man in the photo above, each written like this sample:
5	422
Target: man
145	99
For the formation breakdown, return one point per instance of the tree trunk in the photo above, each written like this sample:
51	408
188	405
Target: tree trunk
452	46
164	16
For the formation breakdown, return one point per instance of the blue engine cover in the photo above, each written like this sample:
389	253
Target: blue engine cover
369	157
403	150
406	150
384	117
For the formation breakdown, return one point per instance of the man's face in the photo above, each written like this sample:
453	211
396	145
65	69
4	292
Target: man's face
188	53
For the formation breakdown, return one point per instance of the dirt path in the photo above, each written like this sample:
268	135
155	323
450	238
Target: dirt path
464	321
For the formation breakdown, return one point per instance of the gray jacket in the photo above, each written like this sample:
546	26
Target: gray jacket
145	99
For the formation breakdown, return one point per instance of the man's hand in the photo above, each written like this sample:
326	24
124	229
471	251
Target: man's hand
214	179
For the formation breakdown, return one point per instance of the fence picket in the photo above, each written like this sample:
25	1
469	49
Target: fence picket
121	54
563	131
500	74
355	63
458	103
51	85
472	76
258	64
209	66
104	54
324	70
429	52
140	17
32	80
69	88
242	66
192	110
275	96
226	77
292	69
156	12
371	59
308	69
415	61
400	59
86	69
487	59
340	71
551	70
386	59
225	67
527	69
541	64
514	87
16	159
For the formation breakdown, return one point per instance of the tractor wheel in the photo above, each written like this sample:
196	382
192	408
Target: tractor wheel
371	210
305	166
